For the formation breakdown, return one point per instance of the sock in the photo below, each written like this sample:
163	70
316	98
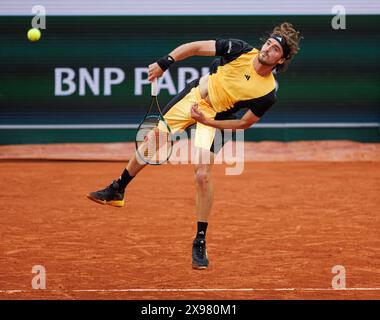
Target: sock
124	179
201	230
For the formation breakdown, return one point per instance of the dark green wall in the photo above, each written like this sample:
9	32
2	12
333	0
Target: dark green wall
335	77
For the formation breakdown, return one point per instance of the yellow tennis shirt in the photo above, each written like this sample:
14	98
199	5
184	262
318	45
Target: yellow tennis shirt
233	82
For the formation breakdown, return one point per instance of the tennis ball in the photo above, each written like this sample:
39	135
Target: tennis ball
34	34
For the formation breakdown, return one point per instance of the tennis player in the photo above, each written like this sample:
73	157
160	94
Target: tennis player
242	78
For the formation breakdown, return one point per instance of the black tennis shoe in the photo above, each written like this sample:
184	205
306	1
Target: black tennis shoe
200	260
111	195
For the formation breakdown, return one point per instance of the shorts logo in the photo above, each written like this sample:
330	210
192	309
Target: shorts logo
247	77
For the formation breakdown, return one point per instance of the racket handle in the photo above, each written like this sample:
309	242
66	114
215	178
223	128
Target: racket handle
154	88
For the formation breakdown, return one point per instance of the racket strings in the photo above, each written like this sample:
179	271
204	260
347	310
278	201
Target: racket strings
153	145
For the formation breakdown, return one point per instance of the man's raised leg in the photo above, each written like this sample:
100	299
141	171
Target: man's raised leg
114	193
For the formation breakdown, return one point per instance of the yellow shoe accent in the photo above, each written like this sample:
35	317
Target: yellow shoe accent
114	203
196	267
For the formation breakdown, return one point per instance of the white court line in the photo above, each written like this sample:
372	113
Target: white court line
193	290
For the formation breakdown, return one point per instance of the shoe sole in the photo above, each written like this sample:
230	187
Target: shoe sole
197	267
113	203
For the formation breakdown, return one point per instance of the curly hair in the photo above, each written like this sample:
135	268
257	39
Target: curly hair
292	38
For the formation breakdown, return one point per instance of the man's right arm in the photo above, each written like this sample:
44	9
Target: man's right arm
184	51
197	48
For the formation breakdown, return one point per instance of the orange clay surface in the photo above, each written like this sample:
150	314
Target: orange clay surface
279	225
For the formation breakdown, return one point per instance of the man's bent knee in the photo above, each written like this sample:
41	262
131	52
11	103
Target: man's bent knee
202	175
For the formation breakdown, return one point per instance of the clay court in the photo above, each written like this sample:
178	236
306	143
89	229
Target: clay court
302	213
276	231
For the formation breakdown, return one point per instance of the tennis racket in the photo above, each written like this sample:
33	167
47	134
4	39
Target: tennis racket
153	141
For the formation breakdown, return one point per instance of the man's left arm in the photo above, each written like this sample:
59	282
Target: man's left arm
256	109
248	119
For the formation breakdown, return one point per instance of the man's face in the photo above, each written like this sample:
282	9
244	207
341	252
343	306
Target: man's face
271	53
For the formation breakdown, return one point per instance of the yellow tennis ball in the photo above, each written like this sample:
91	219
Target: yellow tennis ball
34	34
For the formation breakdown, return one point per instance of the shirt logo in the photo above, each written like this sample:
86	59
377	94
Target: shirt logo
229	46
247	76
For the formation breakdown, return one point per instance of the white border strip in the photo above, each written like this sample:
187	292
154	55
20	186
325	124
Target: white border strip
187	7
134	126
195	290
